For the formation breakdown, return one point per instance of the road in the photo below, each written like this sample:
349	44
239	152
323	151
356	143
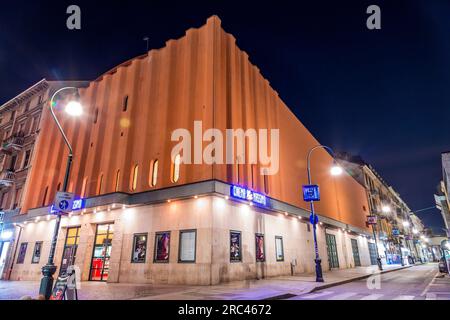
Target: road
420	282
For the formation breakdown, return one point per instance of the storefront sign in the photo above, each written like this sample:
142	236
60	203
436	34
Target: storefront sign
65	287
246	194
311	193
371	220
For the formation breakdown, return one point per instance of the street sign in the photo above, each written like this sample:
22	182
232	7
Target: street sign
395	232
311	193
64	201
314	219
371	220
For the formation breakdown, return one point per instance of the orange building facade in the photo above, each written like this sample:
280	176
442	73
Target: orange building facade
132	187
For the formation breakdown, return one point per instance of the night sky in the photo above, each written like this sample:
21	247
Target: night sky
382	94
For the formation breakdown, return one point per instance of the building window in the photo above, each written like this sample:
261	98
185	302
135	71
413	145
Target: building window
12	164
27	106
153	173
125	103
139	248
134	177
37	252
260	253
58	187
117	185
40	100
252	168
83	187
235	246
266	182
176	168
102	252
96	115
99	184
44	198
186	248
162	246
13	115
279	251
22	252
26	159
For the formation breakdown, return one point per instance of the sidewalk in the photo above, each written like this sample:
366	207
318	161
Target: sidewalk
271	288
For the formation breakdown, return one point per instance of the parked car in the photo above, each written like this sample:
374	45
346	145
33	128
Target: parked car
443	266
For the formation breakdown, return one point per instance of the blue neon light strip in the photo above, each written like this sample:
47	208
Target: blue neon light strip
249	195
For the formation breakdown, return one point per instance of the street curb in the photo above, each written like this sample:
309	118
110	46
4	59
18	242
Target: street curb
329	285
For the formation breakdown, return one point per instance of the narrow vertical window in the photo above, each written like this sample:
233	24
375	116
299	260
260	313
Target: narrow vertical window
176	168
252	168
134	178
99	184
154	173
117	185
96	115
44	198
125	103
58	187
266	182
83	187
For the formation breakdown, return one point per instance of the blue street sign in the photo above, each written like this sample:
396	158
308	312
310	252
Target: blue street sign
311	193
315	217
395	232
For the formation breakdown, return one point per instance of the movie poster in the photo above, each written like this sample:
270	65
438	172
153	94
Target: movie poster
162	243
37	252
235	246
139	248
22	252
260	255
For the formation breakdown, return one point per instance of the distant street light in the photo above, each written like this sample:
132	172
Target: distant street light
415	231
73	108
386	209
335	170
406	224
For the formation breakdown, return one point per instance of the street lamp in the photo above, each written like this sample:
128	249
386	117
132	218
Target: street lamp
335	170
73	108
386	209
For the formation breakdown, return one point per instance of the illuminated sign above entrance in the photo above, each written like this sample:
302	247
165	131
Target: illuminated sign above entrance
246	194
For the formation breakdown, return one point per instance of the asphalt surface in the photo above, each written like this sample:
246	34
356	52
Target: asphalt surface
422	282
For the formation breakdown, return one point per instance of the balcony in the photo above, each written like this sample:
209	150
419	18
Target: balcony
7	178
13	143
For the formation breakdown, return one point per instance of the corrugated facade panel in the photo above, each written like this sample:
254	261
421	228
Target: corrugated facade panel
244	99
202	76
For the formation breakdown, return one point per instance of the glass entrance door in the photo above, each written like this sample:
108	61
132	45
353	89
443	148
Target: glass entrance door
70	249
355	251
102	252
4	246
332	251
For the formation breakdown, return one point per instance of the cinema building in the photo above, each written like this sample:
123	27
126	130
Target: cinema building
144	216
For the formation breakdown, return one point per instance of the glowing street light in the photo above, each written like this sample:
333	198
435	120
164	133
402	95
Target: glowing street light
406	224
73	108
386	209
336	170
415	231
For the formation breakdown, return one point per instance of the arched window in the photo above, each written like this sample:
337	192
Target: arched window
153	177
266	181
44	198
99	184
83	187
96	115
252	168
58	187
117	185
176	168
125	103
134	177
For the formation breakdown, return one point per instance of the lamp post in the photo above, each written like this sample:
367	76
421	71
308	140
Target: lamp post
335	170
73	108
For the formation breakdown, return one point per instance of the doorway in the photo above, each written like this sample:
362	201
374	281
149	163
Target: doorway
333	259
355	251
102	252
4	246
70	248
